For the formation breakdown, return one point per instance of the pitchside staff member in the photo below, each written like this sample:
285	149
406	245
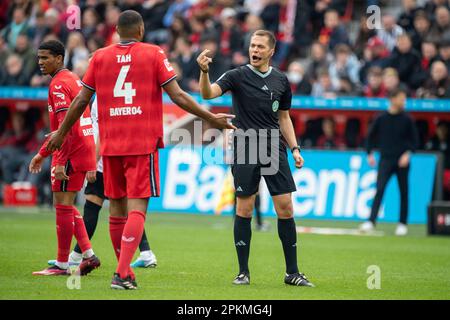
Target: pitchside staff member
396	135
261	100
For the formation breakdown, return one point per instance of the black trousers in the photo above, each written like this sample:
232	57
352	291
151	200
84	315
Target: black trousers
386	168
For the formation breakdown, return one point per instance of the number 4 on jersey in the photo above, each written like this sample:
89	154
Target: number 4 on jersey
122	88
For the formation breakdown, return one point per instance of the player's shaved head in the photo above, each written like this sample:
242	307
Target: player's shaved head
130	24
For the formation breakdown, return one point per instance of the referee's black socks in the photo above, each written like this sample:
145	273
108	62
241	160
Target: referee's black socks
288	236
242	236
90	218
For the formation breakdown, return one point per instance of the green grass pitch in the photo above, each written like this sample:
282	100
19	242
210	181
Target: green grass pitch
196	260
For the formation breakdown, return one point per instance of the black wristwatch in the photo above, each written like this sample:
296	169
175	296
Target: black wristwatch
296	148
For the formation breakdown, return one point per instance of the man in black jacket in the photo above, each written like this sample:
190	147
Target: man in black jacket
395	133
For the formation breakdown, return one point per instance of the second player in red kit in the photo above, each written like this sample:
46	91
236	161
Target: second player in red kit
70	164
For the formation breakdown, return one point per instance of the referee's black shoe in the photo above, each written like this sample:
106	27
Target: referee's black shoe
242	279
297	279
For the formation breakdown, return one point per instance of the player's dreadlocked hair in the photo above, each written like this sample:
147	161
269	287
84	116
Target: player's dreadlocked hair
55	47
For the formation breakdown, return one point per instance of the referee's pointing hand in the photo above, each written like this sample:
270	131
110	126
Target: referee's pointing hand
203	60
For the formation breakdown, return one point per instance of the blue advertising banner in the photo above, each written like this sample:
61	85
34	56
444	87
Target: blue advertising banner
298	102
333	185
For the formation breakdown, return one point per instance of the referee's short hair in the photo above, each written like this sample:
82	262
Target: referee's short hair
55	47
268	34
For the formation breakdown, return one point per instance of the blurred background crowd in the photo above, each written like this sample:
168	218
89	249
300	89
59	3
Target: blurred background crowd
328	48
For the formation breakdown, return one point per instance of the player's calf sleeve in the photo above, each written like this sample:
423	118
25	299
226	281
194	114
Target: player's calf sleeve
80	231
90	218
64	231
132	235
288	236
242	237
116	226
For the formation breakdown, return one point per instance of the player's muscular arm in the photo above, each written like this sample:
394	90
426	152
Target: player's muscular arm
76	109
186	102
208	90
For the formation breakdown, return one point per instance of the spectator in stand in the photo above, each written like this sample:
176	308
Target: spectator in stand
375	55
429	55
300	85
219	64
406	18
181	79
330	139
319	61
344	64
431	6
75	50
422	28
391	81
27	54
153	12
39	29
13	146
4	51
333	33
80	67
18	25
441	142
178	7
108	28
13	74
347	88
441	28
95	43
90	22
229	33
323	87
54	25
406	60
438	86
444	53
187	62
364	34
375	87
390	31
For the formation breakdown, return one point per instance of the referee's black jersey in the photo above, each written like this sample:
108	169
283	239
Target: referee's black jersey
256	96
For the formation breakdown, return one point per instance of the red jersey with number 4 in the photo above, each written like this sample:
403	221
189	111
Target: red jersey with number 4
78	146
128	80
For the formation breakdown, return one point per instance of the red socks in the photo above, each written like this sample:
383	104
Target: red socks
64	231
80	231
116	225
131	237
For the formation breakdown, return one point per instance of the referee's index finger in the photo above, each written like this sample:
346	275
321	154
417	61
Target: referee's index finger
204	52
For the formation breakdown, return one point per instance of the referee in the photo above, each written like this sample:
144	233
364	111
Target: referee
261	102
396	135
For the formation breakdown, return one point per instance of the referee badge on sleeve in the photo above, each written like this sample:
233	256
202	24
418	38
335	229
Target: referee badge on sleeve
275	106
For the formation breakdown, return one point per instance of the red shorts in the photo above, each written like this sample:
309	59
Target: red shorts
75	182
131	176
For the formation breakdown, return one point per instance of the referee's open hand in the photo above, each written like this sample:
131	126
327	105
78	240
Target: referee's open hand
203	61
299	161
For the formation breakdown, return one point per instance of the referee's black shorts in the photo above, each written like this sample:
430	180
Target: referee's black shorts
248	176
96	188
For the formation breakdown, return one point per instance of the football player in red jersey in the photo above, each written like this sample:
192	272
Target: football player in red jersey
71	164
128	79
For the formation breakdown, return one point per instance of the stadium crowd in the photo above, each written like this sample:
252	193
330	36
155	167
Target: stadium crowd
319	48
